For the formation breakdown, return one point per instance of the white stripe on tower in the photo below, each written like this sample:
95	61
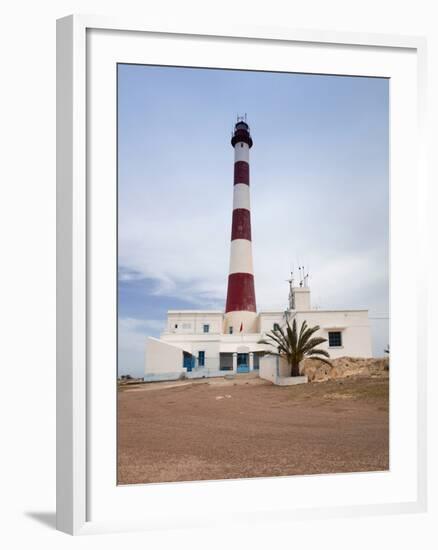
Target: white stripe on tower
240	311
241	256
241	196
241	153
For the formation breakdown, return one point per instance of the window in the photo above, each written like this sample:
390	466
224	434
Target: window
276	326
176	326
206	328
335	339
201	358
230	330
241	145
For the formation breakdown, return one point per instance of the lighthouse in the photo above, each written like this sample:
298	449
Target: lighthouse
240	310
207	343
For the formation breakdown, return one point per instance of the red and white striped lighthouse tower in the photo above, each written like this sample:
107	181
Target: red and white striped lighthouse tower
240	311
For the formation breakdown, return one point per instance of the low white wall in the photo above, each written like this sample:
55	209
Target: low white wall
162	360
283	368
276	370
268	368
290	380
271	366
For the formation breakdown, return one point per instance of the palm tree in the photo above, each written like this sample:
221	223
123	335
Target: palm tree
295	347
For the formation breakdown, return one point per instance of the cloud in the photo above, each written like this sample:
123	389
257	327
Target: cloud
187	254
319	188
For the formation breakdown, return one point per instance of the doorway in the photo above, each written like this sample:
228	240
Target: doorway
242	362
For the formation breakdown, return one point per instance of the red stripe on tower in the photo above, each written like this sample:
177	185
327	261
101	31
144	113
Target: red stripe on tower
240	308
241	172
241	295
241	226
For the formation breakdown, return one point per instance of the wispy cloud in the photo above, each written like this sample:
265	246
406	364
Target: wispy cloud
319	188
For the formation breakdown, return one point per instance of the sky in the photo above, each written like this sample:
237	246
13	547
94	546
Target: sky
319	172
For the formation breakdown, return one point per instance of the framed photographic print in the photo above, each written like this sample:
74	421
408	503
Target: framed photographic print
239	233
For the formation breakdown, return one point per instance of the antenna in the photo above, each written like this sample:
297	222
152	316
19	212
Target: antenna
306	278
291	291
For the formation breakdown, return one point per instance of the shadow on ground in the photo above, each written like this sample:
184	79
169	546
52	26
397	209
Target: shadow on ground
45	518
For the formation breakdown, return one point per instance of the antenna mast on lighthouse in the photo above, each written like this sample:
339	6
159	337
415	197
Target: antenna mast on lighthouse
291	291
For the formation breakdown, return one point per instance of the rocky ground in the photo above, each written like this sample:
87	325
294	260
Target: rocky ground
246	427
316	371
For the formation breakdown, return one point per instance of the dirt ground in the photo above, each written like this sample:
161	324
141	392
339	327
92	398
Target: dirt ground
222	429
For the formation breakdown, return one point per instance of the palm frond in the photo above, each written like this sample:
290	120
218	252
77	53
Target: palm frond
279	341
319	352
281	336
313	342
302	331
308	333
294	339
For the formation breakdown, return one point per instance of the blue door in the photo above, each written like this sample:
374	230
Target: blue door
242	362
188	362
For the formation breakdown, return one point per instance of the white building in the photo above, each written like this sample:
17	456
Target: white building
197	343
209	343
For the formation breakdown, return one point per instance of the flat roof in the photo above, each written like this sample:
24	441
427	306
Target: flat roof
265	312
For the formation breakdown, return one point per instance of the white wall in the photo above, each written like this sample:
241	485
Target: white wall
192	322
194	343
273	367
268	319
302	298
162	358
268	368
211	349
354	326
248	320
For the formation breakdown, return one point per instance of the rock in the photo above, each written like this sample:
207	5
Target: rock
343	367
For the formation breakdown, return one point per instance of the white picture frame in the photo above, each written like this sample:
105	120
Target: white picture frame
79	442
